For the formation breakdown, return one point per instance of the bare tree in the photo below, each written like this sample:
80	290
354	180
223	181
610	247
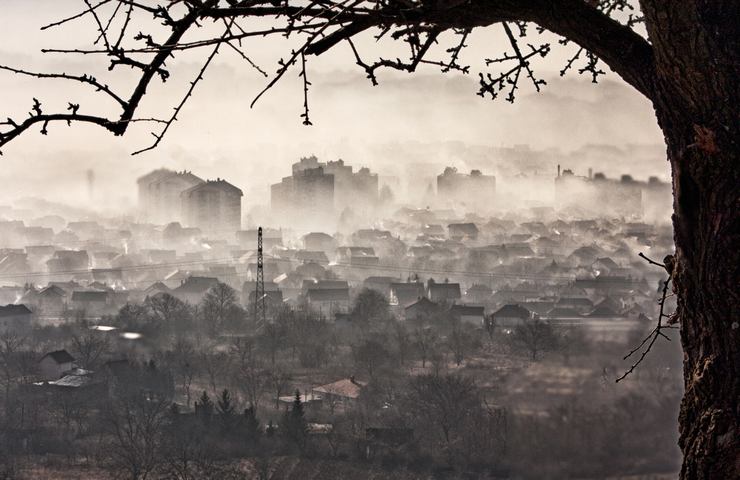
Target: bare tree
403	342
443	401
683	57
167	309
533	336
370	355
216	366
220	308
280	382
273	339
11	346
460	343
184	363
425	340
370	308
135	425
89	347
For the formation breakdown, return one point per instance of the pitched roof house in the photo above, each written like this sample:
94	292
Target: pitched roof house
55	364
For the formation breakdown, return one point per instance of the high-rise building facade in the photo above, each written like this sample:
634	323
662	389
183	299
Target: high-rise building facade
214	206
159	194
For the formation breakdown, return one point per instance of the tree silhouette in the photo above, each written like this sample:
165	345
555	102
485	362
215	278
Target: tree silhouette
204	407
225	406
294	426
534	336
683	56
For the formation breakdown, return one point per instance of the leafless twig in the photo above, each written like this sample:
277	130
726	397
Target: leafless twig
657	331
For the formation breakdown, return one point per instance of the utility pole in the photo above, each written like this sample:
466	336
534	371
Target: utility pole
259	294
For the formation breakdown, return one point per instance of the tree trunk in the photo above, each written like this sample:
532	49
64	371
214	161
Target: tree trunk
697	102
706	281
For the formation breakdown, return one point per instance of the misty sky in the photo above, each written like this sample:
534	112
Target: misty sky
424	117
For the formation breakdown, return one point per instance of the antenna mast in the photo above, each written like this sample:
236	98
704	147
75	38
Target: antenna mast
259	294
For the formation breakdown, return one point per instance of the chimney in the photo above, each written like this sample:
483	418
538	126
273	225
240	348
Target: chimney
558	170
590	172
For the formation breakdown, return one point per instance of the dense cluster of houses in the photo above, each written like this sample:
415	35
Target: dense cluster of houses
423	262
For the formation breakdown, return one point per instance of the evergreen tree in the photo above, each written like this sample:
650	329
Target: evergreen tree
294	425
204	407
225	407
226	410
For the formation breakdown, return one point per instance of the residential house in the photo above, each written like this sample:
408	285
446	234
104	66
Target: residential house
193	289
420	310
329	301
579	304
404	294
51	300
55	364
443	292
379	284
68	261
470	314
463	231
478	293
15	319
316	256
511	315
342	393
320	241
92	302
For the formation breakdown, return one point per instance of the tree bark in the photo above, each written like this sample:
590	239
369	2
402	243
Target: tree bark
697	96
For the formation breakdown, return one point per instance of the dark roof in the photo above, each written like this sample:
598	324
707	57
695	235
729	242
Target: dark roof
60	356
325	284
89	296
479	288
464	227
158	287
603	311
448	289
328	294
563	312
318	236
585	251
423	303
196	285
467	310
379	280
53	290
608	262
312	256
14	310
575	301
510	310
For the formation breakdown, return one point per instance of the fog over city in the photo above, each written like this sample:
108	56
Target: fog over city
423	283
407	120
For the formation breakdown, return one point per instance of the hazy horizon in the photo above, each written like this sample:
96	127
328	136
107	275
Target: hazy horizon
407	120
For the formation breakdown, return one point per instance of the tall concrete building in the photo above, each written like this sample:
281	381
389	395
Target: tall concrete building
317	190
597	194
214	206
159	194
461	189
305	199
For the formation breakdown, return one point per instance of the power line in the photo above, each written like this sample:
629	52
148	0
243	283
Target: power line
351	266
